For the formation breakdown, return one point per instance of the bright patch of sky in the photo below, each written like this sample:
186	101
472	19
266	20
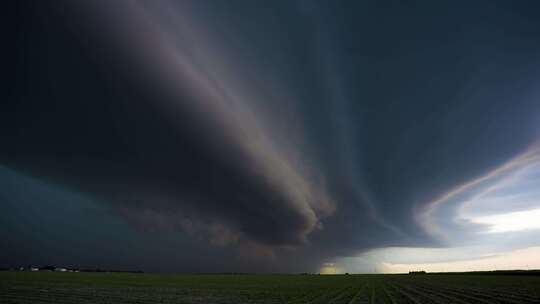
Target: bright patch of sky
513	221
525	259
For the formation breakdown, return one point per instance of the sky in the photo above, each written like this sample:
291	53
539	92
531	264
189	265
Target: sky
271	136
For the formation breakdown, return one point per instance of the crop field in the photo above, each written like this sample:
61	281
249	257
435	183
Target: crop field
53	287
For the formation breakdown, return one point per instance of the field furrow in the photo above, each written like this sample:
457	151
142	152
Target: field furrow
117	288
441	296
492	296
403	296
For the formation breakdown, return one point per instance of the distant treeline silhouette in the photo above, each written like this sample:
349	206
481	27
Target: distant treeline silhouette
417	272
535	272
64	269
110	270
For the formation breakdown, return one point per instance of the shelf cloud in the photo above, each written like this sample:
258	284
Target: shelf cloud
277	131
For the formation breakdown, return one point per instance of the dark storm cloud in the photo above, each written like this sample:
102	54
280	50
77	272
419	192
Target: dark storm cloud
190	153
325	126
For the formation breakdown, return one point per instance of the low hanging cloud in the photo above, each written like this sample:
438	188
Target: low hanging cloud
275	127
194	156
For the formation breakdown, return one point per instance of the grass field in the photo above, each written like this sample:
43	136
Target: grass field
53	287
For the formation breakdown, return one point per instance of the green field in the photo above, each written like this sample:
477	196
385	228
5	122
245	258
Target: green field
54	287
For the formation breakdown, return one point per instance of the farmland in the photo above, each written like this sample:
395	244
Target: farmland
53	287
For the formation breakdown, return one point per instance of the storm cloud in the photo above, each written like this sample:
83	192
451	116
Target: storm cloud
288	129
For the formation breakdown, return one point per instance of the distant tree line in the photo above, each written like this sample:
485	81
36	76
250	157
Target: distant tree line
64	269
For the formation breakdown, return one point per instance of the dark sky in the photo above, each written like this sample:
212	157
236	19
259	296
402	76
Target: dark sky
253	135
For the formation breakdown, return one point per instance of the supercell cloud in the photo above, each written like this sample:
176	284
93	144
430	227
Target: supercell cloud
285	130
